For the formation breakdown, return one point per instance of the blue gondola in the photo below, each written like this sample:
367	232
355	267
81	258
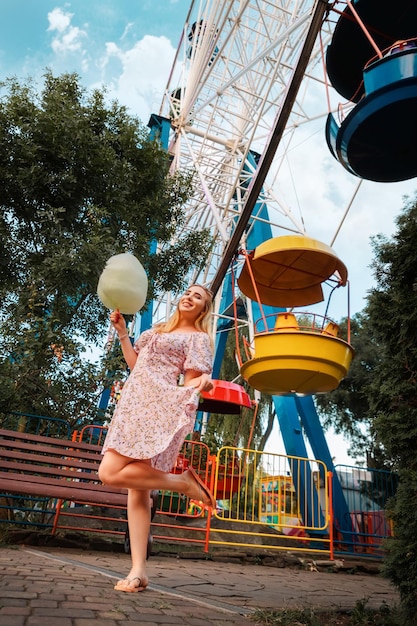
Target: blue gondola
376	139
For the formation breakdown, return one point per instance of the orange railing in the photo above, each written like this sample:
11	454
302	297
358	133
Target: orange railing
264	501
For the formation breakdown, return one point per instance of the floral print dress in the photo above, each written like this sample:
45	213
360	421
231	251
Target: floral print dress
154	414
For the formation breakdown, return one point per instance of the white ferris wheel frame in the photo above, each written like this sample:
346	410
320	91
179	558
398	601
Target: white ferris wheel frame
228	85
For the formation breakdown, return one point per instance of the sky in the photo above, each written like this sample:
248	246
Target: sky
128	46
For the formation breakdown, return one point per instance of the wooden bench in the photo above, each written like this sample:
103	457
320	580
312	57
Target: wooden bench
64	472
59	470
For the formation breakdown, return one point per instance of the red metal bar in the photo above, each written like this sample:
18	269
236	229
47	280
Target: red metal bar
331	514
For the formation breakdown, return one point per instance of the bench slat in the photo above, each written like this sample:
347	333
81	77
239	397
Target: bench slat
35	465
89	474
14	486
41	461
54	451
61	488
49	441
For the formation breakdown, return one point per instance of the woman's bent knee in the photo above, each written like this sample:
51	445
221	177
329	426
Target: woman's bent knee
107	471
104	475
110	467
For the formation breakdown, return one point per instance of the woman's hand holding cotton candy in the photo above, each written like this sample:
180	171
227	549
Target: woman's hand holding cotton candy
118	322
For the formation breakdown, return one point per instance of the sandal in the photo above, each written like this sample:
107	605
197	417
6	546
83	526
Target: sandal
126	585
204	490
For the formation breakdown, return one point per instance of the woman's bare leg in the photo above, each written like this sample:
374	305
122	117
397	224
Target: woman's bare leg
139	521
121	471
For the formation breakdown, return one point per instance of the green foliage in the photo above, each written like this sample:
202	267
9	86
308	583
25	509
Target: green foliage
392	314
239	430
392	310
400	564
360	615
81	181
378	396
346	408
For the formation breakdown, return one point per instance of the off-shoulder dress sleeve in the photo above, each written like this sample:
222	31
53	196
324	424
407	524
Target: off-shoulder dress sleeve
142	340
200	355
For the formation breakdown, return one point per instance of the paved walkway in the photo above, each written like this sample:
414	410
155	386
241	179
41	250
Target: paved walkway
62	587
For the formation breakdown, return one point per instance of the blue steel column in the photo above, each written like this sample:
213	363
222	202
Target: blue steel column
259	233
292	435
314	432
159	129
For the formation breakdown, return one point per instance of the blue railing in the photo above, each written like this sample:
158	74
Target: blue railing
366	492
35	424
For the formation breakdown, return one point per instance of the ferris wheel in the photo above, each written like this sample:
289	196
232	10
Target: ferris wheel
247	85
232	96
237	93
247	80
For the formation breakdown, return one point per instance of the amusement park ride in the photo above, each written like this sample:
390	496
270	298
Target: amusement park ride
239	88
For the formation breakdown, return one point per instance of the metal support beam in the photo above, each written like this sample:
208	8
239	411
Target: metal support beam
265	162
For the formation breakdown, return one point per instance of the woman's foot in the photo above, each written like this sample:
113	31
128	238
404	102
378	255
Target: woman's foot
131	584
197	489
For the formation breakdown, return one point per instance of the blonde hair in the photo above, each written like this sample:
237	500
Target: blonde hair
202	323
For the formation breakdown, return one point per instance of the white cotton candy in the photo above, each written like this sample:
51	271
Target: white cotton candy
123	284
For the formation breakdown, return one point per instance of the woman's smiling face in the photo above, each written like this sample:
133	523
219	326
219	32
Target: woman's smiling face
193	302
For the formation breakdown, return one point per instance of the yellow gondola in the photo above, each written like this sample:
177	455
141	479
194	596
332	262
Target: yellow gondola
297	362
289	271
293	356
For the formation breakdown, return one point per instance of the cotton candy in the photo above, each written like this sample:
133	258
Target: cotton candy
123	284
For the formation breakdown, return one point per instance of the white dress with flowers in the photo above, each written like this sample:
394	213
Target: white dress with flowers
154	414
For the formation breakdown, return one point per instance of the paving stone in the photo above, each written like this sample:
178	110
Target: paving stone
13	620
69	587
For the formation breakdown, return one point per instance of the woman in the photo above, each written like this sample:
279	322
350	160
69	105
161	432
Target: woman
154	414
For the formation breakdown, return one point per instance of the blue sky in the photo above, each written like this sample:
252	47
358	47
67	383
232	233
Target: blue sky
128	45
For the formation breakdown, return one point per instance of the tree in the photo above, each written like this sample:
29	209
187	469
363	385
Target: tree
346	409
392	393
239	430
81	181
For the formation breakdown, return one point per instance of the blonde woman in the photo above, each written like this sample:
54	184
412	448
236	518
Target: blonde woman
154	414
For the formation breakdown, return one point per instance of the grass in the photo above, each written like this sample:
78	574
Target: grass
360	615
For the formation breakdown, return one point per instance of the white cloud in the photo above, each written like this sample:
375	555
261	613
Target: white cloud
58	20
145	68
69	39
127	29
